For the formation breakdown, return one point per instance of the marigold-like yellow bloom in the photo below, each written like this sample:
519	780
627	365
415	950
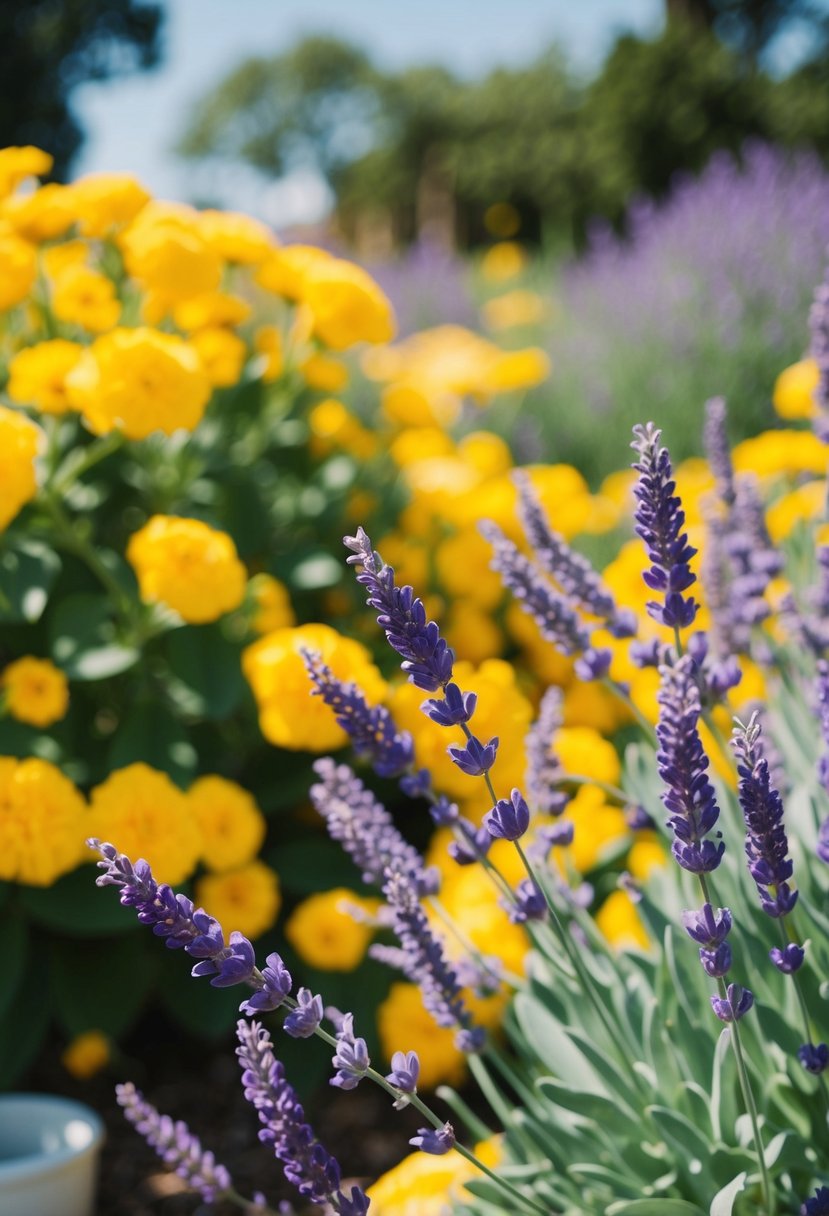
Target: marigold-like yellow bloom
35	691
781	453
425	1185
58	258
20	441
269	344
166	253
86	1055
42	822
288	715
600	829
37	375
332	425
246	900
231	825
18	269
488	454
647	854
794	390
213	308
463	567
324	373
347	305
139	381
517	369
82	296
514	309
187	565
236	237
583	752
41	215
472	631
285	270
803	505
104	201
272	601
620	922
142	812
325	935
222	354
404	1023
503	261
16	164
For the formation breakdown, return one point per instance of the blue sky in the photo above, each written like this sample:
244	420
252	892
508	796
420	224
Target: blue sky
133	122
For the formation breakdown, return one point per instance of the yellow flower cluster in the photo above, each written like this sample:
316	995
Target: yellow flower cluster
20	441
34	691
43	822
187	565
423	1185
326	935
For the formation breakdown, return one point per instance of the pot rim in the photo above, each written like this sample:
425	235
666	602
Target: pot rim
45	1164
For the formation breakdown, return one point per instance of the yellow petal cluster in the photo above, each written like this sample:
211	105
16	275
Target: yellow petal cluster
20	441
794	391
34	691
246	900
86	1055
43	822
424	1185
325	934
231	825
37	375
187	565
271	604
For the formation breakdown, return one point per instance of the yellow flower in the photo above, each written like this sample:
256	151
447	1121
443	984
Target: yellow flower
43	822
213	308
86	1055
346	304
472	632
803	505
187	565
463	567
104	201
284	271
778	453
139	381
590	704
58	258
324	373
425	1185
648	853
600	829
471	899
20	441
503	261
583	752
37	375
16	164
268	343
35	691
333	425
231	825
488	454
145	815
794	390
405	1025
246	900
272	603
85	297
515	308
420	443
620	922
288	715
41	215
517	369
325	935
222	354
18	269
236	237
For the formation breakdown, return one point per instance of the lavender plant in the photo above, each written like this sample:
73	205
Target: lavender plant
630	1083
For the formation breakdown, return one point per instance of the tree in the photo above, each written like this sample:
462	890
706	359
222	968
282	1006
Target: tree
49	47
749	26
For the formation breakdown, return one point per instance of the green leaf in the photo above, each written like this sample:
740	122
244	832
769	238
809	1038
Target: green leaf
98	988
24	1024
199	1008
15	954
593	1106
84	640
74	905
555	1048
723	1202
150	733
27	571
654	1207
210	666
312	864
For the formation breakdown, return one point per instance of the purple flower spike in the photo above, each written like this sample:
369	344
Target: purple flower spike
789	959
762	806
594	664
716	962
659	522
544	771
435	1141
455	708
818	1205
814	1057
405	1069
302	1022
351	1057
473	847
476	758
819	326
277	985
508	819
530	903
232	967
705	928
733	1006
176	1145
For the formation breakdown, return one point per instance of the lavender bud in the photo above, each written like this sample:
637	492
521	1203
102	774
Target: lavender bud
437	1142
814	1057
455	708
733	1006
508	819
475	758
302	1022
788	960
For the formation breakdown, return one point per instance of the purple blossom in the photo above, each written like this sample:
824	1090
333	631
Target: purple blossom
529	904
455	708
426	657
233	966
716	962
277	984
689	795
789	959
734	1005
365	829
818	1205
371	728
306	1163
544	771
437	1142
706	928
823	841
351	1059
814	1057
819	326
660	522
823	714
175	1144
718	449
509	818
473	845
405	1069
766	844
303	1021
552	612
475	758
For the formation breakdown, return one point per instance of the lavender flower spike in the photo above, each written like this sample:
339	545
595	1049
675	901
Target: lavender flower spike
306	1163
689	795
174	918
659	522
766	844
544	771
175	1144
371	728
364	828
819	326
351	1057
426	657
435	1142
734	1005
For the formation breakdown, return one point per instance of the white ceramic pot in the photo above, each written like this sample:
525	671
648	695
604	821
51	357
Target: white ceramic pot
49	1151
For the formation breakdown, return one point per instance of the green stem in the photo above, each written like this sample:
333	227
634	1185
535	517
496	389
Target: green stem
81	462
77	544
788	937
612	791
620	692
